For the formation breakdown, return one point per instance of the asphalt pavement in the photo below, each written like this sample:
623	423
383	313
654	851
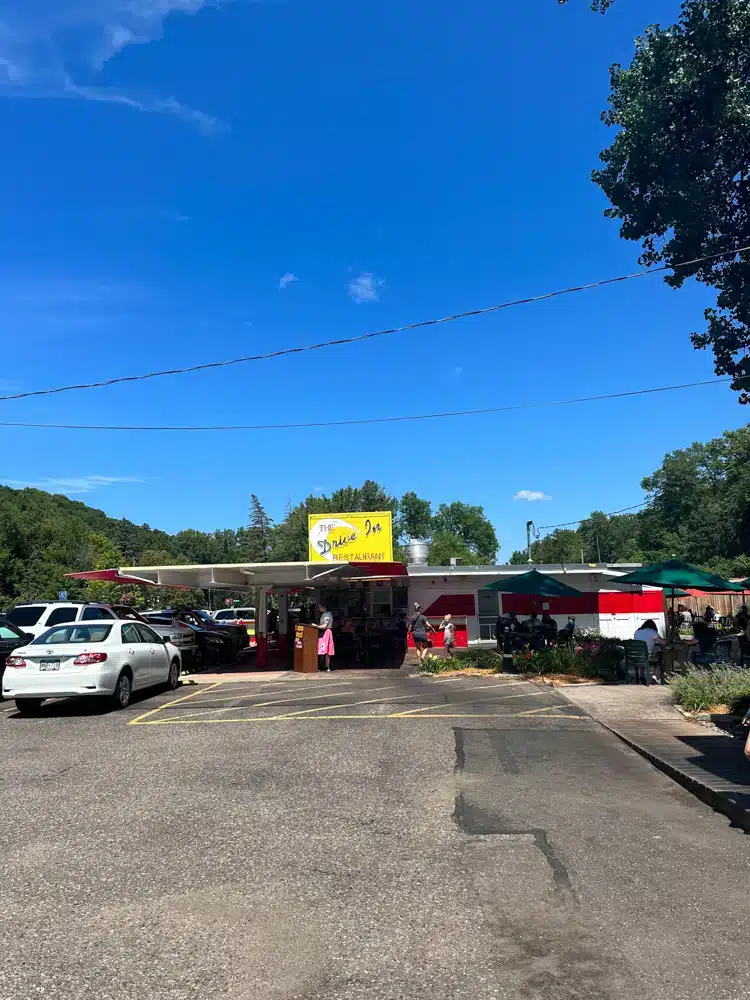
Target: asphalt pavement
357	835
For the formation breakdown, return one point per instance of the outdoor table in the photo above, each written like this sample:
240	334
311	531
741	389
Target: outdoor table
676	657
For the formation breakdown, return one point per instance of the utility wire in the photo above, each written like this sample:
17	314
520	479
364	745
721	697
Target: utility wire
566	524
371	420
377	333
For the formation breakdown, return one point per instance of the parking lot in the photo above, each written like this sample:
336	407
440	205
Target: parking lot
356	835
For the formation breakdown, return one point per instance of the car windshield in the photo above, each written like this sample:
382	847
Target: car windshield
26	615
207	619
64	634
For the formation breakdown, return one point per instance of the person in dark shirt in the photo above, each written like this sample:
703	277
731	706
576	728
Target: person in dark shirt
419	627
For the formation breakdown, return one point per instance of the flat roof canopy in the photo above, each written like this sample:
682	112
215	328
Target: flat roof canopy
246	576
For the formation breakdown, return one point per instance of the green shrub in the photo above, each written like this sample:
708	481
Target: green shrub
432	664
698	689
481	659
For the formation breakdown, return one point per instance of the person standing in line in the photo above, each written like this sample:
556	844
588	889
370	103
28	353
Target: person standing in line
419	626
449	631
325	642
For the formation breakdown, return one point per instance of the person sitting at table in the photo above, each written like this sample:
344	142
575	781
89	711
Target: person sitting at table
567	632
709	614
532	622
548	621
649	633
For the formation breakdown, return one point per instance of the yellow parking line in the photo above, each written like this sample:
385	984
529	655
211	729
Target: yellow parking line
333	718
286	701
168	704
284	689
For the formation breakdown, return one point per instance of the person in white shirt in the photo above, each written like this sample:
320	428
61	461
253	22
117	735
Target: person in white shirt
649	633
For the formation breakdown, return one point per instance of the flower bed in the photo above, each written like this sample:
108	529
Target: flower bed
591	658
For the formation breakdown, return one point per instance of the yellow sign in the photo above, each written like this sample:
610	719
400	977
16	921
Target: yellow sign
350	537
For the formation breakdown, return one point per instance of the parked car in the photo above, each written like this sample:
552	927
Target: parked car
38	617
179	634
215	644
11	637
238	616
238	633
108	659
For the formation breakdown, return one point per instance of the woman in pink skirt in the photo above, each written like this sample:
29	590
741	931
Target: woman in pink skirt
325	642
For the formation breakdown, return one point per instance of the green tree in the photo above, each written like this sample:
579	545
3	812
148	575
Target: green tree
469	524
678	172
446	546
414	517
599	5
257	542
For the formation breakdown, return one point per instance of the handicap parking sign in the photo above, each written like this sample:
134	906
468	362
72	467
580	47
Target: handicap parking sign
62	595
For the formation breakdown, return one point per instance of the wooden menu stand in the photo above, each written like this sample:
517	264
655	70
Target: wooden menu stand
306	649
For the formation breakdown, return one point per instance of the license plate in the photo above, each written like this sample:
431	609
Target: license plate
49	665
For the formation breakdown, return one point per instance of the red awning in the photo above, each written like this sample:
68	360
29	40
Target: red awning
114	576
452	604
381	569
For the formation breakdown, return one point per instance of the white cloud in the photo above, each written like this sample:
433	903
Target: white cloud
72	486
287	279
365	287
531	495
46	44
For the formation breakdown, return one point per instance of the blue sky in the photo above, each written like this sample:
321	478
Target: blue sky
188	182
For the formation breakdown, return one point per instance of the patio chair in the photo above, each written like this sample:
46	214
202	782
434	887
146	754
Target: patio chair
636	656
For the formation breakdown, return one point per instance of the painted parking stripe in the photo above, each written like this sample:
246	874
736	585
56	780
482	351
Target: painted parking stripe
160	708
284	701
334	718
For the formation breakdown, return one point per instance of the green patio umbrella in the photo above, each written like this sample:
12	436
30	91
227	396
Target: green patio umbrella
676	592
535	584
675	573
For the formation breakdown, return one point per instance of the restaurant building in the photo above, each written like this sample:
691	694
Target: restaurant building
371	598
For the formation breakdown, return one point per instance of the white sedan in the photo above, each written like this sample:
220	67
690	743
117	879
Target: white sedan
104	658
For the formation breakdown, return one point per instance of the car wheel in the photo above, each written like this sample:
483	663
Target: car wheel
29	706
123	689
173	680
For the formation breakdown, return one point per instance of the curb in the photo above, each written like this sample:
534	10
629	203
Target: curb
739	815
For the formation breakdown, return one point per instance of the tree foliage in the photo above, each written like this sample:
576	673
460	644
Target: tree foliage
598	5
698	510
678	172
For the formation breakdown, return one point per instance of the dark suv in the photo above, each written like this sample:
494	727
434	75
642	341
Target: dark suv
237	633
216	644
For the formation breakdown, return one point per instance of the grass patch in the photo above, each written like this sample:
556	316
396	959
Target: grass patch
697	690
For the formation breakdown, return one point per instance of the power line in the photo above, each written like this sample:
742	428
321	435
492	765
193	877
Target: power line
369	420
378	333
566	524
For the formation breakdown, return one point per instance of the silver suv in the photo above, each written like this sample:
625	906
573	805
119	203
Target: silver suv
36	618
